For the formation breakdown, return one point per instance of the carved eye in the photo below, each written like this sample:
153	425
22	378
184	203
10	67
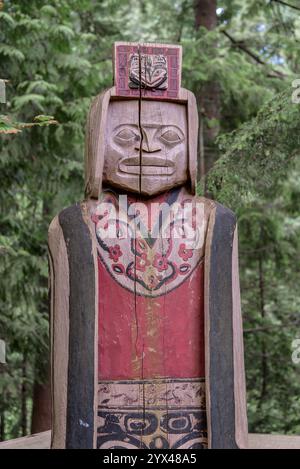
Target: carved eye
171	137
126	136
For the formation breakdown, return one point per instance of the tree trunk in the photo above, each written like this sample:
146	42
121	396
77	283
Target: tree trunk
2	426
41	411
208	97
205	14
41	406
264	364
24	399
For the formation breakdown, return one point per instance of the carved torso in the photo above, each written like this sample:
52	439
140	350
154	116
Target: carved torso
151	330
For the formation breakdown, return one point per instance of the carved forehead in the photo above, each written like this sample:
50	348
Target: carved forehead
152	113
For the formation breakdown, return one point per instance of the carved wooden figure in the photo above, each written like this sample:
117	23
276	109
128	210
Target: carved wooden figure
147	347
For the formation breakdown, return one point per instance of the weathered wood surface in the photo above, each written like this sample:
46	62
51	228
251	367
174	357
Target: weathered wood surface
256	441
260	441
37	441
226	405
241	422
146	146
155	352
74	322
59	326
109	116
141	142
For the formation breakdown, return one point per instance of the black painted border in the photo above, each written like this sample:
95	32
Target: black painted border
221	368
80	386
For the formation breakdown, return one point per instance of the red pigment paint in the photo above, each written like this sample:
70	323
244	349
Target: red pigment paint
142	337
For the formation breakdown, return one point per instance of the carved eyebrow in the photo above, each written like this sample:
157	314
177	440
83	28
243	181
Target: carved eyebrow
158	127
165	127
126	124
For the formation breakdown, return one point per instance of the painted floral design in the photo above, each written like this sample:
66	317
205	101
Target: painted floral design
160	262
96	216
149	265
184	252
115	252
141	246
153	281
142	262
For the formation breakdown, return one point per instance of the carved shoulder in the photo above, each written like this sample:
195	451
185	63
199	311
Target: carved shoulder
216	213
74	299
69	227
225	214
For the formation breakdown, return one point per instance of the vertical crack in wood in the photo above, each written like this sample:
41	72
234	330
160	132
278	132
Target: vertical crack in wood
140	119
140	190
163	316
143	395
140	185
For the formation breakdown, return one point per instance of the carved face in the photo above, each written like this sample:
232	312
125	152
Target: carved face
153	73
150	159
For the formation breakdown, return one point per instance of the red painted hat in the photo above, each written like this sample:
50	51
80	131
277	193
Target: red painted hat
148	70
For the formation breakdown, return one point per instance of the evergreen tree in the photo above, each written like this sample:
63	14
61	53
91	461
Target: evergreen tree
56	55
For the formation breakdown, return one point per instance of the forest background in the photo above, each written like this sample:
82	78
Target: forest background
241	59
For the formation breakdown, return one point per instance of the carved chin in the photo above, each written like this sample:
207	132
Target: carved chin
150	185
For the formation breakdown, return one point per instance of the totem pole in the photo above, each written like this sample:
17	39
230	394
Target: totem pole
147	348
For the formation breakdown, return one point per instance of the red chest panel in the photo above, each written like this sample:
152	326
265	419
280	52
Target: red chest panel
142	337
150	292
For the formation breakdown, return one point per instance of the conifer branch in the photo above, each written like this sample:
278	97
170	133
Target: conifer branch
286	4
241	45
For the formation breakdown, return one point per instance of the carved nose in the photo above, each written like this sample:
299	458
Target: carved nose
148	144
150	147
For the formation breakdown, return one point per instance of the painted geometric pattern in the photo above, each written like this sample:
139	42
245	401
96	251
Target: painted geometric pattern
155	414
123	55
148	266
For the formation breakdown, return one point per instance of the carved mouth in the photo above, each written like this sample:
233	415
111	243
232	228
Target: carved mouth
151	166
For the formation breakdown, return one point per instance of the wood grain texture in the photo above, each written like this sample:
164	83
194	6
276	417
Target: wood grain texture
81	365
96	131
59	324
141	137
36	441
260	441
193	123
241	424
256	441
86	209
95	143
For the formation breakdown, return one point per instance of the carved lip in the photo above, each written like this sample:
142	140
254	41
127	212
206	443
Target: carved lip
151	166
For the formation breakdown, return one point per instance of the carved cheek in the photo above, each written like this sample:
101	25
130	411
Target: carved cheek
180	161
178	154
112	156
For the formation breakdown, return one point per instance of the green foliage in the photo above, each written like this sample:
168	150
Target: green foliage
259	154
57	56
9	127
269	258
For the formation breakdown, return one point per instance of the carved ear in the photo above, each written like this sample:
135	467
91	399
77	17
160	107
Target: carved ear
95	143
192	115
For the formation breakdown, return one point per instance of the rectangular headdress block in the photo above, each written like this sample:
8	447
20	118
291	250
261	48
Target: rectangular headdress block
147	70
